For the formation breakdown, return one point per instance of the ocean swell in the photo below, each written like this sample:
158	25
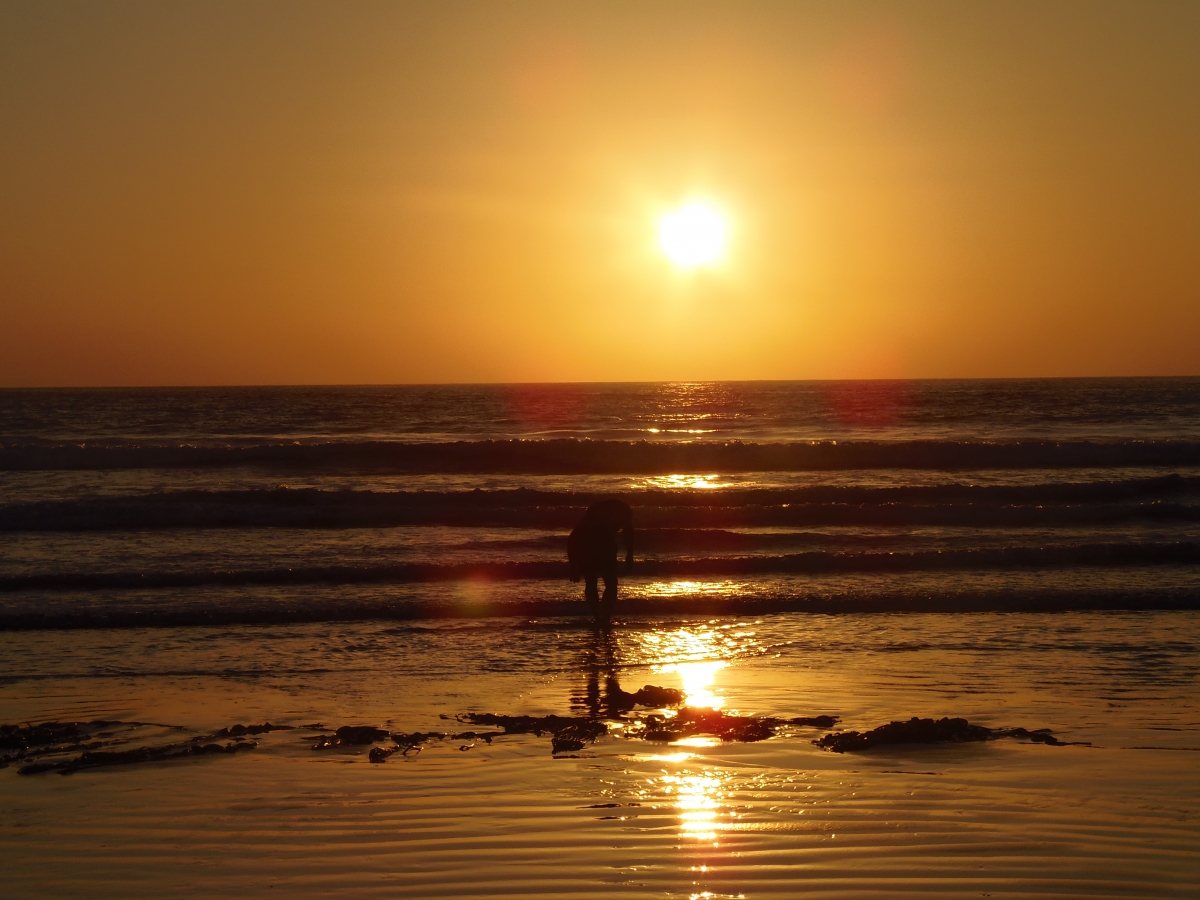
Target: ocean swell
576	456
250	611
811	563
1165	498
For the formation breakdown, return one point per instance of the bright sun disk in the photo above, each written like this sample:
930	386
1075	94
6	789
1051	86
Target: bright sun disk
693	235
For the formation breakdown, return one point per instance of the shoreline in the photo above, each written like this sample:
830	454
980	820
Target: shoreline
508	817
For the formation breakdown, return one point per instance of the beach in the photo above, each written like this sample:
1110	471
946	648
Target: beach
315	639
1113	817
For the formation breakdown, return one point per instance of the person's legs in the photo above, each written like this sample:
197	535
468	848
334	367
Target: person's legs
609	602
592	595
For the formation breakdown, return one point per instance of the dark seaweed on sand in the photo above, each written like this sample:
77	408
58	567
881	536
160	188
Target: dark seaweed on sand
96	743
96	740
693	721
570	734
649	696
930	731
567	733
406	743
351	736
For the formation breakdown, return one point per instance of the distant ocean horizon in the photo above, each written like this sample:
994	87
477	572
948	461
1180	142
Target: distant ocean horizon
225	505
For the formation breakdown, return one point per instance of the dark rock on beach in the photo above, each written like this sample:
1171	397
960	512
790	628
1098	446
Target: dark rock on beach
381	754
1037	736
351	736
95	759
574	736
570	734
650	696
242	730
928	731
24	737
567	733
914	731
406	743
692	721
618	702
814	721
37	744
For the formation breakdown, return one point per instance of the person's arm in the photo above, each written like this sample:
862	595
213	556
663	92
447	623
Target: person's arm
628	532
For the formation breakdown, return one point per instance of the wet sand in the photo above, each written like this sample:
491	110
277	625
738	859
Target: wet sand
623	816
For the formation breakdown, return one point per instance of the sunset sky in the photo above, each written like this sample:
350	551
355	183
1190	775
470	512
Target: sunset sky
248	193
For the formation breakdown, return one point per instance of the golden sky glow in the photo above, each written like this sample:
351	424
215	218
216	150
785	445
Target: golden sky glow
275	192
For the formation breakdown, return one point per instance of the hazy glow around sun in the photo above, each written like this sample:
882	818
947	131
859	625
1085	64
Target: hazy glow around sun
694	235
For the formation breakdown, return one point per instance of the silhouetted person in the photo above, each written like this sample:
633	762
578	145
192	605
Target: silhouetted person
592	552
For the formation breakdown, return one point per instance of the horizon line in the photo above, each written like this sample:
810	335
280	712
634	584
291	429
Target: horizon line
397	384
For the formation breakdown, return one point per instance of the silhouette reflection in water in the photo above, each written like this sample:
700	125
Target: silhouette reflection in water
602	697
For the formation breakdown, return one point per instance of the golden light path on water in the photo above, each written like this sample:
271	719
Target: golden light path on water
698	798
676	482
682	588
697	680
698	791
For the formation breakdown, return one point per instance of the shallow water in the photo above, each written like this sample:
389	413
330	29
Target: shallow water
1115	818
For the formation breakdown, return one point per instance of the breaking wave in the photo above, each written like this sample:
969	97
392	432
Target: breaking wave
1165	498
813	563
250	610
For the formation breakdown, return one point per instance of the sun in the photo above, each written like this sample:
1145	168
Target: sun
694	235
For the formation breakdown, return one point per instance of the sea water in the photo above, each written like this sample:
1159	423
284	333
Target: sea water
227	505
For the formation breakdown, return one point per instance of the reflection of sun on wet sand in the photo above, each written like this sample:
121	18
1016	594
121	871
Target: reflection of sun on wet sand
697	680
698	798
690	814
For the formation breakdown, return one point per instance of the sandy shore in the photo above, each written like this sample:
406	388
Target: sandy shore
624	816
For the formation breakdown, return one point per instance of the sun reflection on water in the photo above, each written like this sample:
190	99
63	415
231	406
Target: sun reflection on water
670	757
697	741
697	680
683	588
696	654
698	796
702	643
682	482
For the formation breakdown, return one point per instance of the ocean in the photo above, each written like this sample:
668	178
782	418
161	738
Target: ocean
207	506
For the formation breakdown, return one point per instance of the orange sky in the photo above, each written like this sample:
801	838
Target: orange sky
226	193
